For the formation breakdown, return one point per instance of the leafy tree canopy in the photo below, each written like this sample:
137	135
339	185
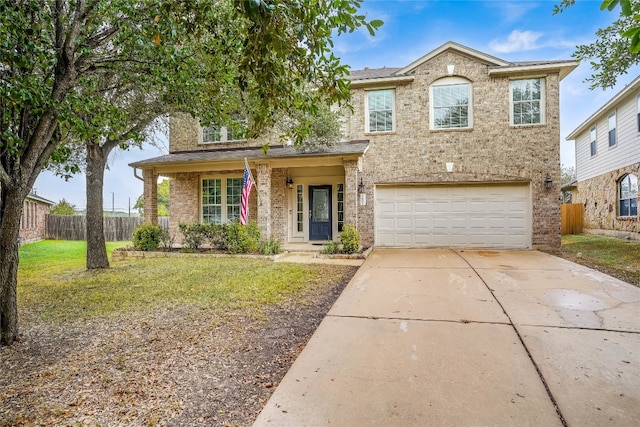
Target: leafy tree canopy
63	208
617	47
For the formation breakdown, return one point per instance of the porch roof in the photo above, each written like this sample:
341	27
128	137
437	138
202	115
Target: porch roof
348	149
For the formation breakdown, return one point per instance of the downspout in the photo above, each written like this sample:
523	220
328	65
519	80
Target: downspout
135	173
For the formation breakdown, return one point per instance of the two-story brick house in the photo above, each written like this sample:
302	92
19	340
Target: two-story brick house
607	147
457	149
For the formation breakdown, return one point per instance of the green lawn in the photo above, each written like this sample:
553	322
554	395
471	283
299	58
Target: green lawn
617	257
53	284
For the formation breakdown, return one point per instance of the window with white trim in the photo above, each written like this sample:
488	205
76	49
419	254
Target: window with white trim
594	141
299	209
221	200
380	111
451	104
612	129
231	132
628	193
527	101
340	196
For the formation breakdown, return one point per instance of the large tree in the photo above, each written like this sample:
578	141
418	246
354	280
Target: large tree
617	47
55	54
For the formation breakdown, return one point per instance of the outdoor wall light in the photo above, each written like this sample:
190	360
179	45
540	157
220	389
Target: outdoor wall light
548	182
363	195
290	182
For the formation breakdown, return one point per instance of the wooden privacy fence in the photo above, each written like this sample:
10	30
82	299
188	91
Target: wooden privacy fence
116	229
572	217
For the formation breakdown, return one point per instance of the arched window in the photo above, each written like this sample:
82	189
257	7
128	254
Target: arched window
628	195
451	106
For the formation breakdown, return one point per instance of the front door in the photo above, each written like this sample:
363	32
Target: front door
320	212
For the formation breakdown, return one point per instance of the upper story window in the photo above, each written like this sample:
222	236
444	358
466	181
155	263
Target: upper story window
233	132
527	101
594	143
628	191
380	111
451	104
612	129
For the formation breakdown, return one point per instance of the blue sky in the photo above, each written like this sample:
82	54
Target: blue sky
513	31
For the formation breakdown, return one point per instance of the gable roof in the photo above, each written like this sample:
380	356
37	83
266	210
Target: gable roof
635	84
496	67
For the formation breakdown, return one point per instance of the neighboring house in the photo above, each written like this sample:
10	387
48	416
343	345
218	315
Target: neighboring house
608	165
32	222
457	149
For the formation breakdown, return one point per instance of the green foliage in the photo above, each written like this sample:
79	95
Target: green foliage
350	239
330	248
270	246
617	47
194	235
242	239
63	208
148	237
163	199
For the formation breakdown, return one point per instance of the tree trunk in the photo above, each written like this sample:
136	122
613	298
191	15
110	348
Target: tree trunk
11	201
96	244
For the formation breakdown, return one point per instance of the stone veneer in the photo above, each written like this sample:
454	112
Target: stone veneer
492	151
599	196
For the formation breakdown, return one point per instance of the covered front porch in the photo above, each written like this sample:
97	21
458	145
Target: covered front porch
299	197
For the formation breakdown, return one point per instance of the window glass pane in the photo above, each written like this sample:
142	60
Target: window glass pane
450	106
212	201
612	121
526	96
211	134
340	197
234	197
628	191
299	204
380	104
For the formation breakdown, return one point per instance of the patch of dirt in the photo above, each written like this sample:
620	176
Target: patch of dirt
176	366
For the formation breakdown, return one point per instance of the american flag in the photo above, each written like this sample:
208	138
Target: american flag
247	185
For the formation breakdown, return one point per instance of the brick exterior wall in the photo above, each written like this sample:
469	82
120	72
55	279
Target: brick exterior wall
32	223
492	151
599	196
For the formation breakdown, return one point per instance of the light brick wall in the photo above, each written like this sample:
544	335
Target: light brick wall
150	192
492	151
599	196
32	223
279	205
184	202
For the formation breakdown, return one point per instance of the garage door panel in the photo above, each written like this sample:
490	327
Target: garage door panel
459	216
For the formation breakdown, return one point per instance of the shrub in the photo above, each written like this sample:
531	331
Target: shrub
166	240
194	235
216	235
242	239
350	239
147	237
270	247
330	248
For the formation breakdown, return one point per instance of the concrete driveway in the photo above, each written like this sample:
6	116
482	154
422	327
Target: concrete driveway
460	338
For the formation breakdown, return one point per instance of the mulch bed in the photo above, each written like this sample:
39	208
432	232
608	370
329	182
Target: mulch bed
175	366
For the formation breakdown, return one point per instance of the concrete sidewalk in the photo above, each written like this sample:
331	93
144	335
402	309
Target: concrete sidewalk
444	337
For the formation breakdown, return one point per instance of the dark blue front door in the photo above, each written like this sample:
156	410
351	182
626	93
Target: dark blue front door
320	212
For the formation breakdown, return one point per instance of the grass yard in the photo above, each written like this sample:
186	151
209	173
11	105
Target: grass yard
616	257
54	285
180	341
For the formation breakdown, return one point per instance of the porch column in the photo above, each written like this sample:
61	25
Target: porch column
351	192
150	196
264	198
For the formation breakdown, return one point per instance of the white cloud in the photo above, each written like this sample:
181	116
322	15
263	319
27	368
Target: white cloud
516	41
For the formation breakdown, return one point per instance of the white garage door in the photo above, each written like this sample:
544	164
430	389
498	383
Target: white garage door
473	216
